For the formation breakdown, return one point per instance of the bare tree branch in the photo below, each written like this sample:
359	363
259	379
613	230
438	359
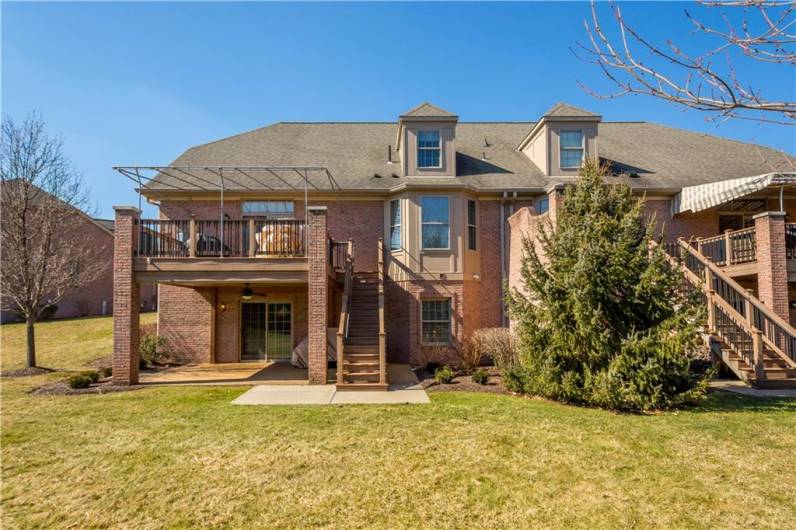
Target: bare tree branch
707	81
43	255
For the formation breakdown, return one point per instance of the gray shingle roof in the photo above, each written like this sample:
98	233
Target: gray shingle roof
565	110
355	153
427	110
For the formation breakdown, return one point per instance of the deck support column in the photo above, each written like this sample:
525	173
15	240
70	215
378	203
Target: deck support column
318	295
126	294
772	265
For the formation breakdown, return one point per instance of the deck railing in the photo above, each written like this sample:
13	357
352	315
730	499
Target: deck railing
736	316
345	307
382	328
212	238
731	248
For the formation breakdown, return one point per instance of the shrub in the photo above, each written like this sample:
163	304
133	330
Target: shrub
471	355
79	381
602	320
93	375
444	375
499	344
514	378
48	312
152	348
480	376
106	371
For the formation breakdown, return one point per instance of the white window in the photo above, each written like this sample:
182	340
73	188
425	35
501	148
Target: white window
571	149
395	224
434	212
471	226
436	315
269	209
542	205
428	149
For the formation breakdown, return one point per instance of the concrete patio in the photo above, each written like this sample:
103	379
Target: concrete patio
283	384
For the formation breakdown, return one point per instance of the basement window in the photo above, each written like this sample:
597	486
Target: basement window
436	321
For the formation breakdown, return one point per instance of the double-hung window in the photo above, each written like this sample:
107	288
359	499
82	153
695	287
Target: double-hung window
395	224
471	226
436	321
571	149
268	209
428	149
435	215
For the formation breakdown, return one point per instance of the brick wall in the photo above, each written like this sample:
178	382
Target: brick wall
185	319
318	295
489	300
772	265
126	324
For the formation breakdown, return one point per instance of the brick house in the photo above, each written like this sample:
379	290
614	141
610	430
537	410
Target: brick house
393	241
96	298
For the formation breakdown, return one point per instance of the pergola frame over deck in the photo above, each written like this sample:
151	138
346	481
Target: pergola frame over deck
189	181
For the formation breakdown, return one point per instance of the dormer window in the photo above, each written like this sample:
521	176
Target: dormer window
428	149
572	149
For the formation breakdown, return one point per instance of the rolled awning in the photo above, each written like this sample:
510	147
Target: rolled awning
704	196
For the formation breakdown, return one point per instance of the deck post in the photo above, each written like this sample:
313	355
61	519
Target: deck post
126	294
710	293
727	248
252	239
318	293
192	237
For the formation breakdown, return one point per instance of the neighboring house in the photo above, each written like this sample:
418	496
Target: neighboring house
256	231
96	298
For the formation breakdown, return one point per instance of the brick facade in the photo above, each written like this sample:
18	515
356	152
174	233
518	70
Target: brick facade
772	265
318	294
125	299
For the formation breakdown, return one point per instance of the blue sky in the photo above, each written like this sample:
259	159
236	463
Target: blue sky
138	83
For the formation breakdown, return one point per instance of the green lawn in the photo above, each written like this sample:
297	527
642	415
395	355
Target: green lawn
185	457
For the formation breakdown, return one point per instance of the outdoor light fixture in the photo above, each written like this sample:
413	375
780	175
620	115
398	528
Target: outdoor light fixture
247	293
223	307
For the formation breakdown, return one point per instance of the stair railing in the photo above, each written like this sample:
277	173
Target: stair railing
734	314
345	308
382	331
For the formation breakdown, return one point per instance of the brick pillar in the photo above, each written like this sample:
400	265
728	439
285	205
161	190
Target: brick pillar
555	198
125	298
772	271
318	296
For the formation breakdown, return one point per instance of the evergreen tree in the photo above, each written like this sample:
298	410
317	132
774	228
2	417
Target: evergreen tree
602	321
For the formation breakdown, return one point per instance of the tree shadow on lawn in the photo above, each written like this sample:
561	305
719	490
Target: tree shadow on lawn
719	401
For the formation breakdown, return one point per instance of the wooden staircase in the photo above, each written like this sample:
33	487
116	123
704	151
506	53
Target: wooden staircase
757	345
361	363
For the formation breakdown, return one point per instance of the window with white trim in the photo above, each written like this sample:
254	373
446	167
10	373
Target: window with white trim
429	149
268	209
436	321
571	149
472	234
435	222
395	224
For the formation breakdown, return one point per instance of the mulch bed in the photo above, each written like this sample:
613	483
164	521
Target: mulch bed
27	372
61	388
463	383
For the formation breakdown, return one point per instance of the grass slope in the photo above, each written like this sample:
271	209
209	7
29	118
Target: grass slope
184	457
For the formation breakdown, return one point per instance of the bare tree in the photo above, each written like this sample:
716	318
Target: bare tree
43	257
760	30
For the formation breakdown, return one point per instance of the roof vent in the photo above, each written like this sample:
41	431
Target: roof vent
486	142
395	175
376	176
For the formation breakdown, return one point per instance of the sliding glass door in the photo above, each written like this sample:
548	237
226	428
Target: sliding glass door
266	331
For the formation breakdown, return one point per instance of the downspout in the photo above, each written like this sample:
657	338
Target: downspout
503	258
782	198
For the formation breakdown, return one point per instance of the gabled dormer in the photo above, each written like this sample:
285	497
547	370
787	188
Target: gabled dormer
561	139
426	142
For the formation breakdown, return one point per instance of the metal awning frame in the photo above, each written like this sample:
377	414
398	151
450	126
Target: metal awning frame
193	182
